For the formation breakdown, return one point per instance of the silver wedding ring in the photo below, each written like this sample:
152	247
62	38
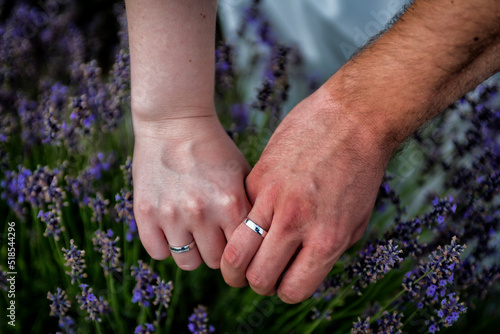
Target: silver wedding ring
256	228
181	249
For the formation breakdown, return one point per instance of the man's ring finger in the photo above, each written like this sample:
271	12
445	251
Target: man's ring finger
254	227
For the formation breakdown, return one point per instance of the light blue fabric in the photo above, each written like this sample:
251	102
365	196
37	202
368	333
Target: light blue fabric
327	32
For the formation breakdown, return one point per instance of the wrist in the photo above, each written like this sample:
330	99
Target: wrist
187	125
346	125
426	61
364	110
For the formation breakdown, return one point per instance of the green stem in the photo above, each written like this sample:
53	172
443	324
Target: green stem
408	320
379	313
97	327
175	298
142	315
114	301
306	306
158	318
61	258
330	305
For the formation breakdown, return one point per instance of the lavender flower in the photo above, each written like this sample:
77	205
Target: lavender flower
88	104
100	163
66	323
14	185
408	232
144	289
239	113
144	329
31	122
116	90
8	122
198	321
329	287
83	116
95	307
362	326
163	292
42	187
429	280
59	303
224	73
121	17
274	90
104	243
75	260
387	323
52	107
387	194
125	208
374	262
254	19
99	207
17	47
317	314
82	186
58	308
450	310
127	173
52	219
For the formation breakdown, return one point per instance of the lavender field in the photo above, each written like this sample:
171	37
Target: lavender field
70	257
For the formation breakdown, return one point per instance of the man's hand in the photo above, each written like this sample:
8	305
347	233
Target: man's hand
315	185
313	189
188	185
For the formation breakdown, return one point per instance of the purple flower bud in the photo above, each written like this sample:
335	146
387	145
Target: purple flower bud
198	321
104	244
75	260
95	307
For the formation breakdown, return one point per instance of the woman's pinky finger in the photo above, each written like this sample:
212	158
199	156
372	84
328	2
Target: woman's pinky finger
211	243
153	240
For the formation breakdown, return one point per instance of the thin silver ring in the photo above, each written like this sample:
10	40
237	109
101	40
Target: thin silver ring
181	249
254	227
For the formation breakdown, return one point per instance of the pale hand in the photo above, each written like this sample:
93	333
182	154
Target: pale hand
188	184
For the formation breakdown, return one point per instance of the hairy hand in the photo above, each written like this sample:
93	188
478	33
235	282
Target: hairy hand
313	189
188	184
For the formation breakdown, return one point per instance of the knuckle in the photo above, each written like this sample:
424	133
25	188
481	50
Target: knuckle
258	282
212	260
230	202
234	206
195	206
168	211
299	211
291	295
330	246
233	257
213	264
156	254
144	208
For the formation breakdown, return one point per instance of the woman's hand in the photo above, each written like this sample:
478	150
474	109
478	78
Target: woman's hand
188	184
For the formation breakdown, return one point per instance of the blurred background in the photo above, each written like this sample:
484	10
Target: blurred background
66	145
